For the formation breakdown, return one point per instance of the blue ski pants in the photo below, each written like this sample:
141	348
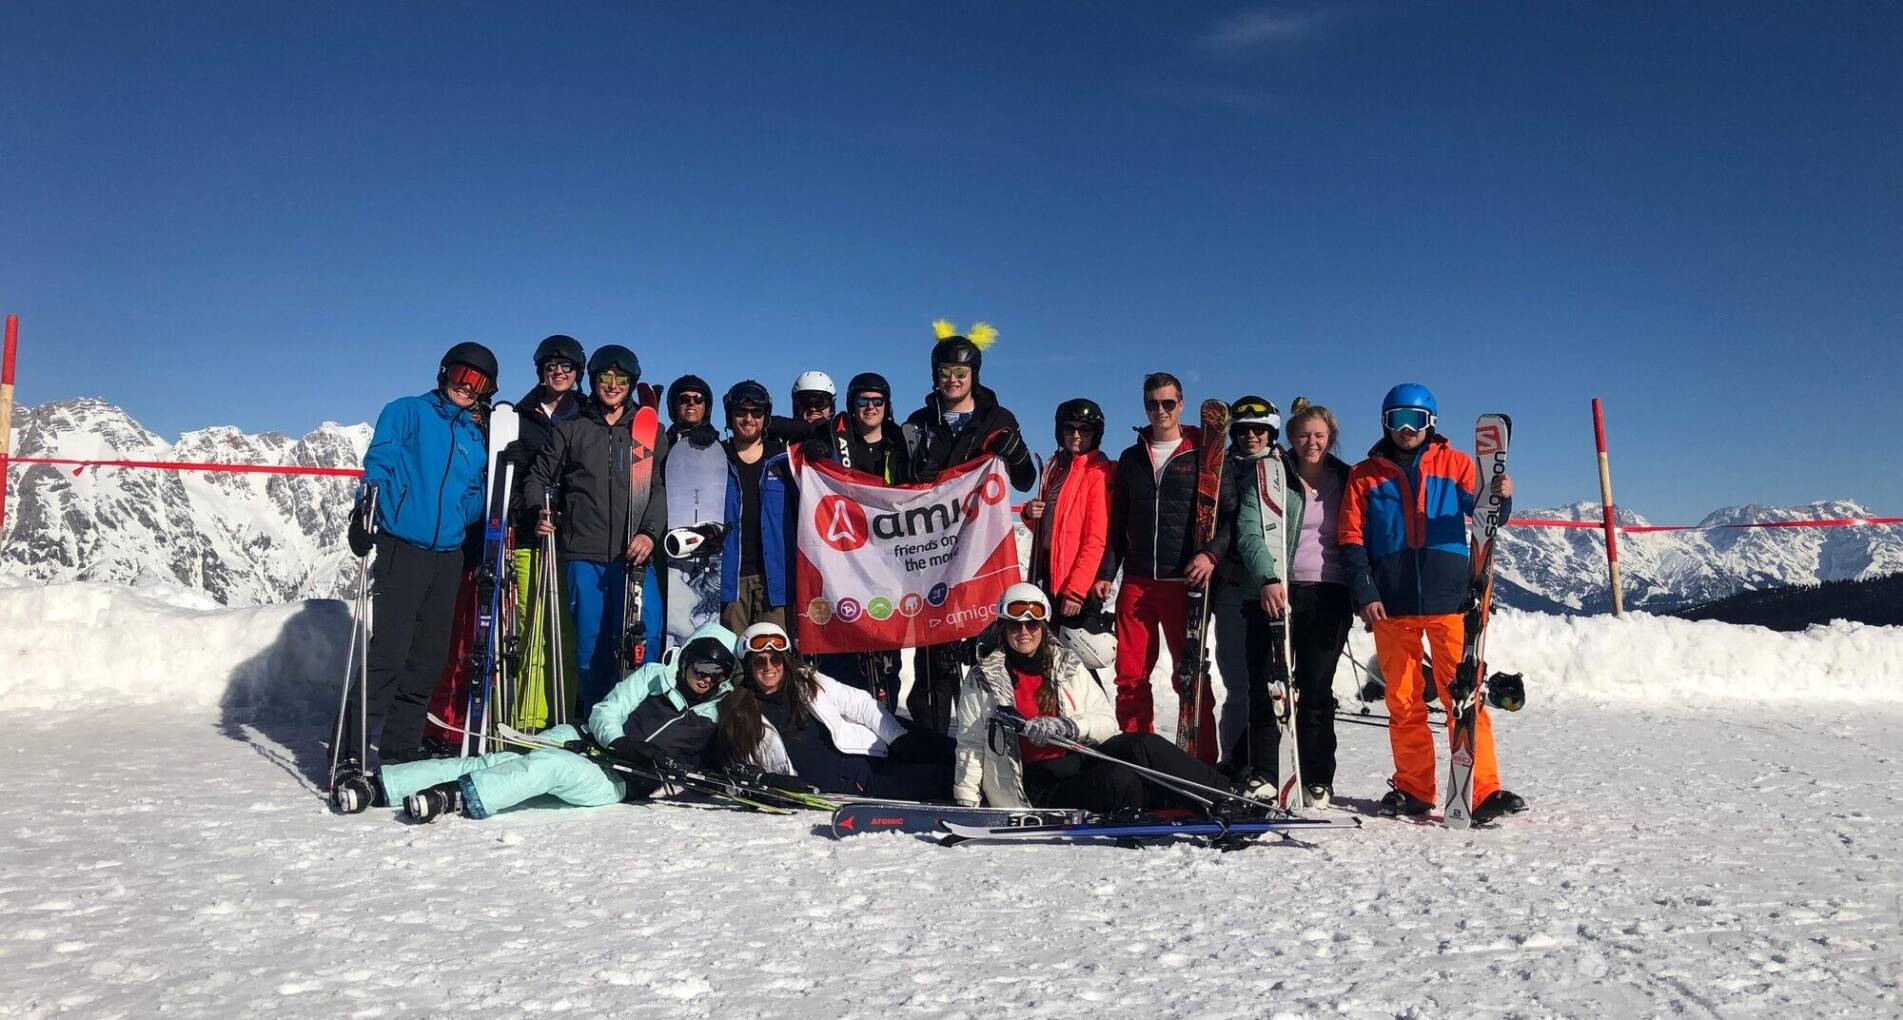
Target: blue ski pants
595	593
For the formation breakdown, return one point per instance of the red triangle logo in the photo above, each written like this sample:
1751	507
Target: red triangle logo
846	823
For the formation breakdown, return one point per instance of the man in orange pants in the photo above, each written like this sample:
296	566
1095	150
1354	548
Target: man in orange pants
1403	535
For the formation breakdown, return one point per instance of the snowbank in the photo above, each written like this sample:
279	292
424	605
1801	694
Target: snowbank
90	646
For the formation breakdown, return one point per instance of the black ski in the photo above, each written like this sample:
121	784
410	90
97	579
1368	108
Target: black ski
857	817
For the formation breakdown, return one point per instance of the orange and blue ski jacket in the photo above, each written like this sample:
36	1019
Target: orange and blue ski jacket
1403	529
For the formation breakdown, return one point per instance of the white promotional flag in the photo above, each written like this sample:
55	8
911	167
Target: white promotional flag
893	566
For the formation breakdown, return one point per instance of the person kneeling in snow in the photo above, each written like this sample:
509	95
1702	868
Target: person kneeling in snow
664	711
788	719
1047	684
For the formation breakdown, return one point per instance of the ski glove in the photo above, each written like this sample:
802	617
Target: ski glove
1047	729
1006	443
641	754
363	530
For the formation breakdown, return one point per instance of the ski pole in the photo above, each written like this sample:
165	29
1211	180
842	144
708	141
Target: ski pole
1014	722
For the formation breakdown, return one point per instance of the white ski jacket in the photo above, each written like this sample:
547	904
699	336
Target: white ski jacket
1000	777
853	719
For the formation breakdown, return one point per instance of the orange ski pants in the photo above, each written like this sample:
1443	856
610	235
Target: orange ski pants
1397	643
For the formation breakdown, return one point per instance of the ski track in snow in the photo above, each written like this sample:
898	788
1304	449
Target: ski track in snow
1687	863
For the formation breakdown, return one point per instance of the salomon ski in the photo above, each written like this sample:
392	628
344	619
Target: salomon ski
1491	435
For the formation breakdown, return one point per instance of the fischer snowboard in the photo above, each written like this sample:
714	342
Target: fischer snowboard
495	588
645	435
1491	436
696	472
1272	485
1192	672
857	817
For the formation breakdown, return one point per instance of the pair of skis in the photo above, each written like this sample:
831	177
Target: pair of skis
1491	437
495	588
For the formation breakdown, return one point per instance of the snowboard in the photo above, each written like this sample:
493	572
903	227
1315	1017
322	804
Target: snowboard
1192	671
645	436
1272	486
495	587
1491	436
696	473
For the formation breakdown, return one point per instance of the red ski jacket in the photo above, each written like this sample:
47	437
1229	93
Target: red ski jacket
1080	525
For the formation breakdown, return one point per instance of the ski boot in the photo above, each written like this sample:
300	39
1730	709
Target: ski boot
1317	795
352	792
1400	802
426	806
1499	802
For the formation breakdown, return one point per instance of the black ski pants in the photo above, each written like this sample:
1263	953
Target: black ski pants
1081	781
1321	615
413	604
938	671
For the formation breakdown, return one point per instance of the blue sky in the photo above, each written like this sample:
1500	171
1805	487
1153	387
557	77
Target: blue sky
269	215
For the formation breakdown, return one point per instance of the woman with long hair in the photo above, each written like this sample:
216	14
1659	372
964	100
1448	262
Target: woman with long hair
1047	684
787	718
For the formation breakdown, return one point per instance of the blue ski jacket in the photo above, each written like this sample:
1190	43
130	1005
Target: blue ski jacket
778	501
1403	529
427	460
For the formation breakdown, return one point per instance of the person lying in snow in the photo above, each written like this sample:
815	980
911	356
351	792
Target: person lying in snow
663	710
786	718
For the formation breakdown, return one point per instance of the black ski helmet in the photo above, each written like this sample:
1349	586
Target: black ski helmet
869	382
707	650
1081	411
614	356
470	353
559	347
957	350
746	391
689	383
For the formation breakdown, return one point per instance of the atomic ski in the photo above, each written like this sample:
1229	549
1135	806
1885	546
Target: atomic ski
495	584
644	434
856	817
1272	487
1491	435
1141	831
1192	673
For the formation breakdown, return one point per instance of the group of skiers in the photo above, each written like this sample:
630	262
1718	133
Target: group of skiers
1118	555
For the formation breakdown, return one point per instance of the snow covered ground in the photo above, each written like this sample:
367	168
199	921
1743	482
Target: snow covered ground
1714	833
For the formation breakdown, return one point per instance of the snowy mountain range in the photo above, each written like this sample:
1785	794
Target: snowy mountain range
253	539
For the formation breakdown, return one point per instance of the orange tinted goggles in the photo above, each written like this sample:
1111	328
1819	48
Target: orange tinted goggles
768	643
1025	611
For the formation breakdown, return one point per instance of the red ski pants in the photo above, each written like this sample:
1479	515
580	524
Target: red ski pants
1397	643
1146	605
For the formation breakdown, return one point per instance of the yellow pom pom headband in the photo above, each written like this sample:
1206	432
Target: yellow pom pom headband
981	334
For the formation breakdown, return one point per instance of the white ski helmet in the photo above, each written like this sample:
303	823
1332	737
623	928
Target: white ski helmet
814	382
763	637
1093	640
1024	601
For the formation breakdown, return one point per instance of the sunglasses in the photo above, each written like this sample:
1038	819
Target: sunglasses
611	378
690	399
559	367
954	372
467	378
1407	419
709	670
749	412
768	643
1026	611
1253	428
1164	405
814	403
868	401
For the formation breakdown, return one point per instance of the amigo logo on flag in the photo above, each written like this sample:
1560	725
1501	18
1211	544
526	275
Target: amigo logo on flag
882	566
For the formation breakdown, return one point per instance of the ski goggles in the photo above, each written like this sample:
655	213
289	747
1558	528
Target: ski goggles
611	377
1026	611
815	403
465	376
768	643
1407	419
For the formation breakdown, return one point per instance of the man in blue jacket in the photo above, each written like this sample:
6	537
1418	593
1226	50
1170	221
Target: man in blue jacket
426	463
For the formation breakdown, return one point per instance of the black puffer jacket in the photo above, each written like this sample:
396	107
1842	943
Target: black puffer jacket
1152	526
537	429
933	448
587	463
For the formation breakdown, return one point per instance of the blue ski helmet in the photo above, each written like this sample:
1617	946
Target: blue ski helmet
1410	394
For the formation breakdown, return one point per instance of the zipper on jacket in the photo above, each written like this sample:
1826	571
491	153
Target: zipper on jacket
449	462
